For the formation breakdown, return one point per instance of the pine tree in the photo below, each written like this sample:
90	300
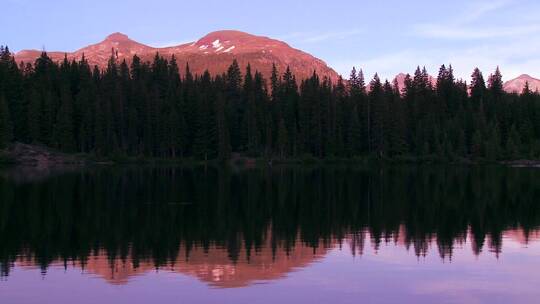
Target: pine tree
224	145
100	131
340	99
478	88
48	108
189	106
513	144
495	83
34	116
282	139
378	117
205	142
396	121
461	144
493	145
289	110
64	133
477	145
5	123
234	102
247	113
11	86
355	134
174	132
274	109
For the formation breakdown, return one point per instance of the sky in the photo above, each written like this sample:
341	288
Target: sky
387	37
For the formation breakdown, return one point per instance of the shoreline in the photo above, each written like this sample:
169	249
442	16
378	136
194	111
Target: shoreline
37	156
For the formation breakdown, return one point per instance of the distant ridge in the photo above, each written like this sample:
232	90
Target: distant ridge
517	85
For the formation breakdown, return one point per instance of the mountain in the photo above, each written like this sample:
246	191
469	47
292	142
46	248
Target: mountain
518	84
214	52
401	80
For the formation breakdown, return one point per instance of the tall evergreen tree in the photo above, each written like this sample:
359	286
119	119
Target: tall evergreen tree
224	140
378	116
5	123
63	132
478	87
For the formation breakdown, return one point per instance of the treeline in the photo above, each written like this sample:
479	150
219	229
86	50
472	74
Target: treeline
151	109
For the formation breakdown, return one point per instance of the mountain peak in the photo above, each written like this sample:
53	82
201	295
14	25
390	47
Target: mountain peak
517	85
525	76
238	39
229	35
117	37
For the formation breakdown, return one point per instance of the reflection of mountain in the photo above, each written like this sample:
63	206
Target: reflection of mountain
148	214
522	237
212	265
215	266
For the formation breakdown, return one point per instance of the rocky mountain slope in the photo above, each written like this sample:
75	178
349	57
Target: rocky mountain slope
214	52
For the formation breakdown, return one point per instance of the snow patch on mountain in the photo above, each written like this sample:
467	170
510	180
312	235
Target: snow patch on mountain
229	49
216	44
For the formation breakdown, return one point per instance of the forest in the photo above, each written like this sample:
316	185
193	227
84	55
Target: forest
160	110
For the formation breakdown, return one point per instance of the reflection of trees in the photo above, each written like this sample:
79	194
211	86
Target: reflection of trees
142	213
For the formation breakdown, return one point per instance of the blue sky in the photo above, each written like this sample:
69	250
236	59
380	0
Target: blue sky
378	36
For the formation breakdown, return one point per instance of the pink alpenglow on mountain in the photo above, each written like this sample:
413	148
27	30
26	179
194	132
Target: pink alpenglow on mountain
214	52
518	84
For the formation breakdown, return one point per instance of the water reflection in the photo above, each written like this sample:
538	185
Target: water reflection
237	228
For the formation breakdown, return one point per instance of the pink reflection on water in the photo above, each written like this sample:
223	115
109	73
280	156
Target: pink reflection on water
376	273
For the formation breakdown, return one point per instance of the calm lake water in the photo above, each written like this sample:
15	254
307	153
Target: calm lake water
270	235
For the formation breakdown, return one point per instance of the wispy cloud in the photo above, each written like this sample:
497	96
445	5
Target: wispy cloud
512	60
478	9
317	37
473	23
466	32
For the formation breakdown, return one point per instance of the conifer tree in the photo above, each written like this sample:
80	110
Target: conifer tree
377	117
234	102
495	83
5	123
34	116
478	87
100	132
282	139
513	143
355	134
477	145
64	133
224	141
493	144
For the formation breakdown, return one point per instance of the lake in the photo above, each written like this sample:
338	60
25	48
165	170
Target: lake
321	234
